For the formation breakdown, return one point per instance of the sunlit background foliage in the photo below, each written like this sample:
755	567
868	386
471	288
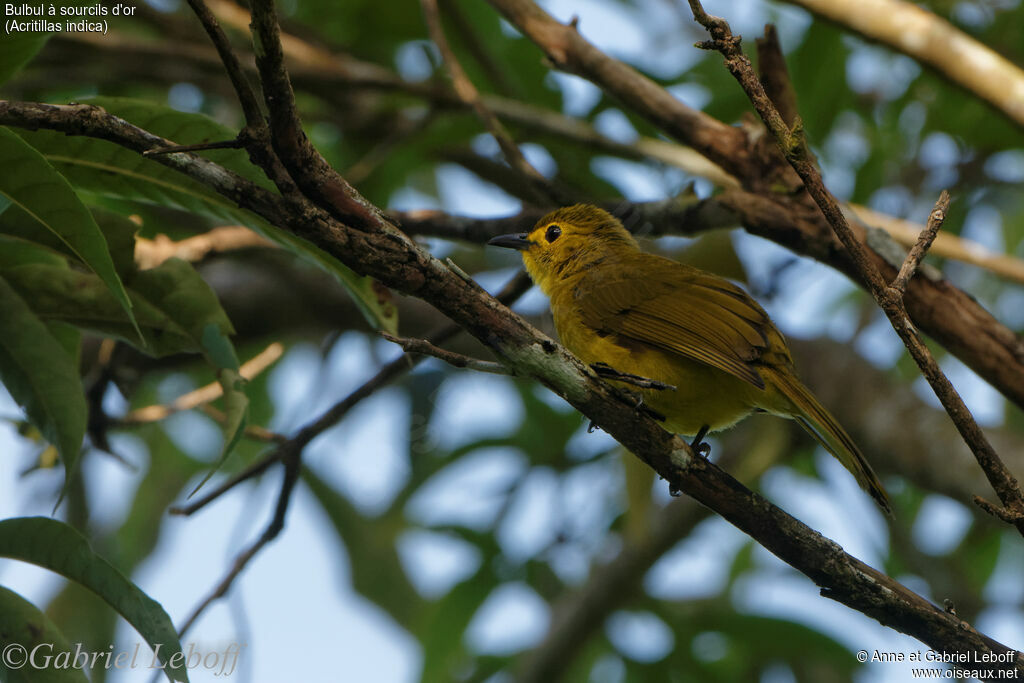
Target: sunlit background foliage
440	525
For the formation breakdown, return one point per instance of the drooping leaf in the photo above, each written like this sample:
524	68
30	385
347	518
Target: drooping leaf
41	376
120	233
236	412
31	184
25	630
58	547
58	293
177	289
176	312
83	616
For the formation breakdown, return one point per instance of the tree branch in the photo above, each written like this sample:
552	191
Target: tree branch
422	347
291	455
931	40
570	52
467	92
310	171
924	242
324	73
246	97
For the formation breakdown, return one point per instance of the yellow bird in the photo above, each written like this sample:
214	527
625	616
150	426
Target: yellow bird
650	316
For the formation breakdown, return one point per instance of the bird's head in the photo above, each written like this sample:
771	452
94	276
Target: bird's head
568	241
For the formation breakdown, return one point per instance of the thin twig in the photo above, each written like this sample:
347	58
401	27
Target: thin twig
468	93
292	457
246	96
423	347
203	395
997	511
793	144
458	360
924	242
254	470
234	143
515	288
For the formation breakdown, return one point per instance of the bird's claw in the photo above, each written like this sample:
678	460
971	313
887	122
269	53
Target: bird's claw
699	446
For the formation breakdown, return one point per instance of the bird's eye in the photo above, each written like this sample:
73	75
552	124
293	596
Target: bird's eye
553	233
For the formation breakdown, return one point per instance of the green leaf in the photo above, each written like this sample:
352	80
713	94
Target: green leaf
109	170
177	289
58	547
120	233
83	616
35	187
176	312
23	628
174	307
68	336
236	405
81	299
15	252
42	377
118	230
16	51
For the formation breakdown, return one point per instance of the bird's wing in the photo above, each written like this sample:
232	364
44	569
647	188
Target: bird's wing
682	310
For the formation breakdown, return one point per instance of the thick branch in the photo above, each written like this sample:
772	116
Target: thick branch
933	41
310	171
330	75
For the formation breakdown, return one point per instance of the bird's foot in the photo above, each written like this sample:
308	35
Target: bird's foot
698	445
605	371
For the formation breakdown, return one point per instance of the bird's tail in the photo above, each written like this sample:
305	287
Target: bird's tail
813	417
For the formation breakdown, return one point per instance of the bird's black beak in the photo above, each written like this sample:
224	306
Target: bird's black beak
516	241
